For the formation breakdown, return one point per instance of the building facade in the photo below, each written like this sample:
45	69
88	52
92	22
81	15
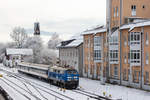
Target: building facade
71	54
120	13
135	55
119	53
94	53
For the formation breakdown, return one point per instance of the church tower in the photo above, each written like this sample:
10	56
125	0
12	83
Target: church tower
36	28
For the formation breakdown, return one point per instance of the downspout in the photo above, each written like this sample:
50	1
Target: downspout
142	57
120	42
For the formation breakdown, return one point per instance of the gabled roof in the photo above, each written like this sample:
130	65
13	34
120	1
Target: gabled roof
76	42
73	43
95	30
13	51
64	43
133	25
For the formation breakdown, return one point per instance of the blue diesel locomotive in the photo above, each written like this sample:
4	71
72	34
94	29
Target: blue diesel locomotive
63	77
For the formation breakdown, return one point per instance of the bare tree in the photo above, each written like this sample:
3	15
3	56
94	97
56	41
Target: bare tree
54	41
19	36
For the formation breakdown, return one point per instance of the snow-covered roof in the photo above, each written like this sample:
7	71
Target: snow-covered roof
133	25
115	33
94	31
75	43
12	51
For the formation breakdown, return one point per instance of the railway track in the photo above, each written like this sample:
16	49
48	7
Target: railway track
91	95
11	82
39	87
27	97
32	86
46	90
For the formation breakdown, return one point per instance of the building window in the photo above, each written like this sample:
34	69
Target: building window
97	54
85	68
124	74
116	71
125	58
133	10
91	69
147	38
143	6
147	77
147	58
128	73
114	12
113	40
135	76
125	41
97	41
135	38
113	55
135	56
117	11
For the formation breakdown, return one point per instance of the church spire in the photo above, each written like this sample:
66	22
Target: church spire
36	28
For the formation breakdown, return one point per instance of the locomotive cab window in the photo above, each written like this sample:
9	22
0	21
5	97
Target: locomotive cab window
71	72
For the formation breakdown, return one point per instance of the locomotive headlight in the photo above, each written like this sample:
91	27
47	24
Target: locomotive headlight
75	77
69	78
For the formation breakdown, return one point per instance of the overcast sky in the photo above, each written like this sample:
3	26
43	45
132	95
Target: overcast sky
66	17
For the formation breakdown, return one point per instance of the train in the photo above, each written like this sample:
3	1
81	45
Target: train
63	77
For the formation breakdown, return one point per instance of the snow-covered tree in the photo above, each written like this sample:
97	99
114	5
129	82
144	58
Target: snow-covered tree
54	41
19	36
3	47
48	56
36	44
41	54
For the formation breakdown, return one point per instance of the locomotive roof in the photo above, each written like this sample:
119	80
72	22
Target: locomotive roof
38	66
60	68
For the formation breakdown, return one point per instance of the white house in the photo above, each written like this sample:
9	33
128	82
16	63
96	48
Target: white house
13	56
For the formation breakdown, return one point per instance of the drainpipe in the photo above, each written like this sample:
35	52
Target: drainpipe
142	57
102	59
120	42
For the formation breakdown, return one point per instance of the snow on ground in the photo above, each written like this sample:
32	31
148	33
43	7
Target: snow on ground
93	86
116	91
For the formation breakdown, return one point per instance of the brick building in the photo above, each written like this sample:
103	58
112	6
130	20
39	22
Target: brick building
94	53
119	53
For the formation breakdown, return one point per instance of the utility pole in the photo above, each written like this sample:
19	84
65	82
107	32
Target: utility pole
108	32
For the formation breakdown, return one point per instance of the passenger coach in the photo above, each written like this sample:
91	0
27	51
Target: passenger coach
63	77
